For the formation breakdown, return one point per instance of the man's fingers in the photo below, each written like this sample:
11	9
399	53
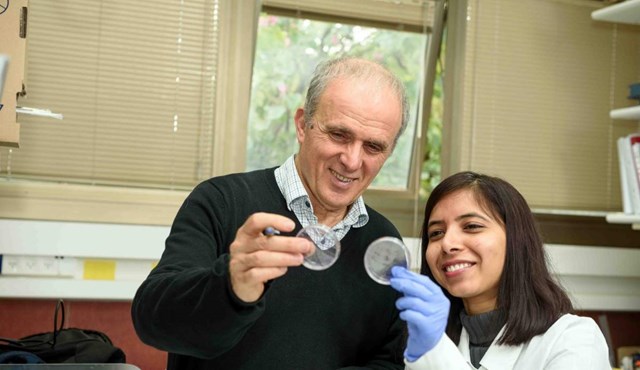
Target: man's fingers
257	258
248	285
258	222
266	259
260	275
275	243
250	236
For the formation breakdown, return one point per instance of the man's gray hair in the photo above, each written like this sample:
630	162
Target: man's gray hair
357	68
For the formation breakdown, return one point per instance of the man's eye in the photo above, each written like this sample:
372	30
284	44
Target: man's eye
338	136
373	148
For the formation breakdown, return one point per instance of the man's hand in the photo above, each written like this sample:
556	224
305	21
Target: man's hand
257	258
425	309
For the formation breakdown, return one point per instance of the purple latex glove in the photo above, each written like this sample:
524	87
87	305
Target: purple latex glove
425	309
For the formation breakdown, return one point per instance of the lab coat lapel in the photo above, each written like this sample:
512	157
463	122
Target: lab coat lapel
463	345
499	356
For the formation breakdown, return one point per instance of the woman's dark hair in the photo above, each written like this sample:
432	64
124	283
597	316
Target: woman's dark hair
530	298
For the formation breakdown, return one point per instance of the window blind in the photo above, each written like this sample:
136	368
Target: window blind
135	82
538	79
418	13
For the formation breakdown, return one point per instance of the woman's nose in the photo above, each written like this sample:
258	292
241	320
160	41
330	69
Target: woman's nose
451	243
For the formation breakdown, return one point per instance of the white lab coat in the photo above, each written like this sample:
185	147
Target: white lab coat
572	342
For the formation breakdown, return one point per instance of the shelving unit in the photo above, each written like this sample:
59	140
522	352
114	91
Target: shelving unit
624	218
626	113
626	12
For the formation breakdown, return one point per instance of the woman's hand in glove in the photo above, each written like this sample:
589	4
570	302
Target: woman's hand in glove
425	309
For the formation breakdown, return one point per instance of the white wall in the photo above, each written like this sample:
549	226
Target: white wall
597	278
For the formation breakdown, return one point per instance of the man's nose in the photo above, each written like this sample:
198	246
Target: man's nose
351	156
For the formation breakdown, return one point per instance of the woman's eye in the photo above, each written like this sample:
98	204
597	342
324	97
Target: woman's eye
473	227
435	234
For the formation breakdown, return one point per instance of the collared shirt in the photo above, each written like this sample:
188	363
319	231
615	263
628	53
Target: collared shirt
298	201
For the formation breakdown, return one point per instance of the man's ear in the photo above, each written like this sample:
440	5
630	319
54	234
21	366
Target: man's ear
300	124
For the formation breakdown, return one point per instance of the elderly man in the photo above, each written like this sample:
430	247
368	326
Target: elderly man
226	296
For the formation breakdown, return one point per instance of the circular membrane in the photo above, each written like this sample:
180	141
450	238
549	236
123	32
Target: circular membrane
327	247
382	254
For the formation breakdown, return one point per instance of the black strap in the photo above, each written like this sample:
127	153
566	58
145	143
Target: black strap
27	343
56	329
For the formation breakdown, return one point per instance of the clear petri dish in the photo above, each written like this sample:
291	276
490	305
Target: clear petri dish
327	247
382	254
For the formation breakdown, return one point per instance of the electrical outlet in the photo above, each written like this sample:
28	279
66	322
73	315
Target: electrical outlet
38	266
11	265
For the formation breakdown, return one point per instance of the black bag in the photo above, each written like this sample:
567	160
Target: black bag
70	345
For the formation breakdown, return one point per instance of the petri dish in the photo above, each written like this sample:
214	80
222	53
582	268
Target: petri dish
327	247
382	254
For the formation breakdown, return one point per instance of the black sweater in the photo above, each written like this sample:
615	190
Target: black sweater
331	319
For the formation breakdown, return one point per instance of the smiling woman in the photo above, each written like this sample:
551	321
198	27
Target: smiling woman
488	288
466	250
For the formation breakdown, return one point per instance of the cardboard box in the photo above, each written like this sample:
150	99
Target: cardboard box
13	28
634	91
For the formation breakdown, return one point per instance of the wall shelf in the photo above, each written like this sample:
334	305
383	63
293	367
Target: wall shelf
626	113
625	12
624	218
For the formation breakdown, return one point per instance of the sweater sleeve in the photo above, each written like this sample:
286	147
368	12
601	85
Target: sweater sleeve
186	304
390	355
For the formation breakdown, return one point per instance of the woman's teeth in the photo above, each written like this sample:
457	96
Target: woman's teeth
456	267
